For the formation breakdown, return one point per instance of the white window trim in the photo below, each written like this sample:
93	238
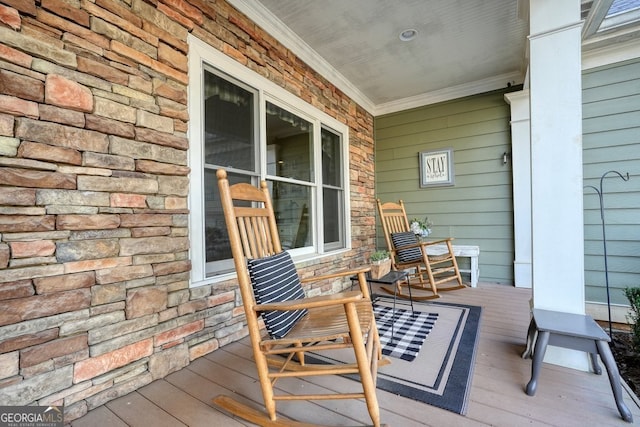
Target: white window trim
200	52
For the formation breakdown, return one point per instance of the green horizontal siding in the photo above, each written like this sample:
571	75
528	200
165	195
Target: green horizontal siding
611	141
478	209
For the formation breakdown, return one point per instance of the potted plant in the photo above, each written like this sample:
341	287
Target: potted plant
380	263
421	228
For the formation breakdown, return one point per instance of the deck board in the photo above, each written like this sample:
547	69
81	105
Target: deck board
565	397
100	416
332	410
131	407
202	389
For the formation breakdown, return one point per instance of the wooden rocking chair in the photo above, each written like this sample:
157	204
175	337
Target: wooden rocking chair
271	288
408	252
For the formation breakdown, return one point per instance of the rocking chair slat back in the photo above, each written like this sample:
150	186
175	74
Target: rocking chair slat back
393	218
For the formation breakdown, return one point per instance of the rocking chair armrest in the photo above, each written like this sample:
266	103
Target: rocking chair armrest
422	244
312	302
344	273
435	242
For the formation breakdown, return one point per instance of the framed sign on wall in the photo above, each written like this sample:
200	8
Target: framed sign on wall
436	168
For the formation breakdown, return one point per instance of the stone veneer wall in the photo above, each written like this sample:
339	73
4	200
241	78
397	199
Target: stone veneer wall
94	241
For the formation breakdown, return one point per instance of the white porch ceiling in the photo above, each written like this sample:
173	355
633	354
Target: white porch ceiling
463	47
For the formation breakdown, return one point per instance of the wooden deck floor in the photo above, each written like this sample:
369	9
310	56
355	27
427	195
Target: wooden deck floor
565	397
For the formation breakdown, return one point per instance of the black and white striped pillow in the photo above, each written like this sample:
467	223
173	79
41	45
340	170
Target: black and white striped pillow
275	279
404	239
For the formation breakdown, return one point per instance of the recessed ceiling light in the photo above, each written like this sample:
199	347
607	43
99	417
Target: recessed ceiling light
408	34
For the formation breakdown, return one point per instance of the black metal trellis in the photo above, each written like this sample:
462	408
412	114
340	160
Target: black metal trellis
604	235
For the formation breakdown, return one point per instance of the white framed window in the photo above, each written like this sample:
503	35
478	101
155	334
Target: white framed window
244	123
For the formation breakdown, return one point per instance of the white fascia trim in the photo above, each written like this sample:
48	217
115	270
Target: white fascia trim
453	92
610	54
274	26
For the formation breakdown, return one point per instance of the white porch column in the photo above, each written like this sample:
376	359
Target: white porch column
521	165
556	163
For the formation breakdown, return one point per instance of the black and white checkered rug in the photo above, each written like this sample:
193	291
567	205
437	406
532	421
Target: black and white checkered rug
441	372
402	332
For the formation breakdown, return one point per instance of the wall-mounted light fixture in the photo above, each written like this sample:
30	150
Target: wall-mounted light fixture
506	157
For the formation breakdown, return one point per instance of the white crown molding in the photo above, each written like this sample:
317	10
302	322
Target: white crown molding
610	54
453	92
262	17
275	27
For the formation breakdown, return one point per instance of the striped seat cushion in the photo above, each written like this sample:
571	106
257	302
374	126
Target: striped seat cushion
275	279
403	239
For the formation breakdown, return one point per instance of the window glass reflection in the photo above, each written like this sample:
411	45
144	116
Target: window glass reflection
291	205
229	124
289	142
